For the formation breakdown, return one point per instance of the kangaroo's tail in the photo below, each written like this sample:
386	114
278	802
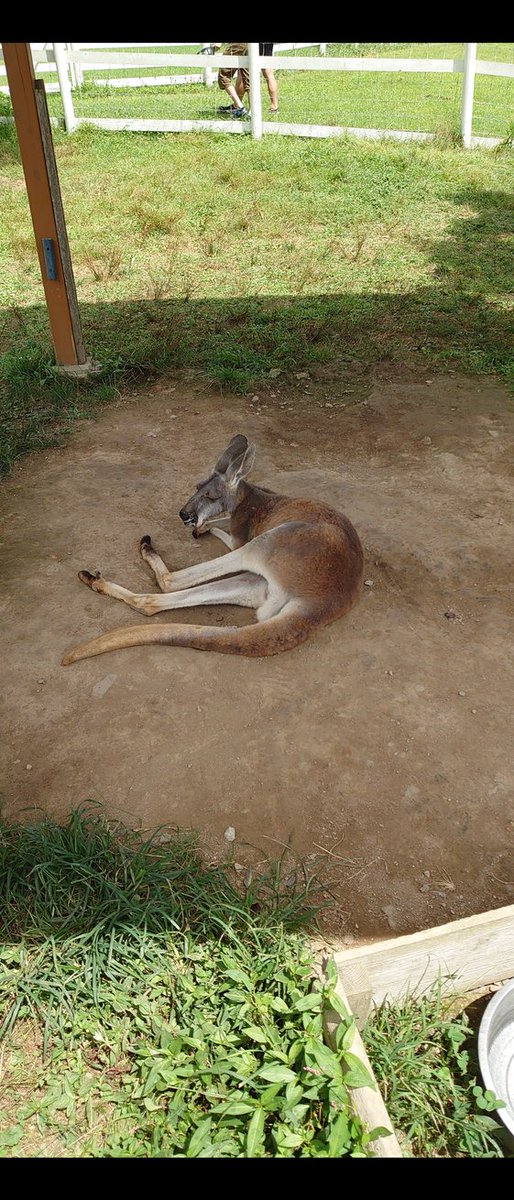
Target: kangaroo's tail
283	632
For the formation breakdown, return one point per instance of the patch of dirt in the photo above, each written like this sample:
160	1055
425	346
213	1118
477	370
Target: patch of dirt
386	739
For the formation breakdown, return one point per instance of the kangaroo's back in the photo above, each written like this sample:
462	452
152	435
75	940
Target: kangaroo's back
261	509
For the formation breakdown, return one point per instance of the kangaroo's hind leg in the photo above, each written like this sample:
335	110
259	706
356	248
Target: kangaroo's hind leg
246	589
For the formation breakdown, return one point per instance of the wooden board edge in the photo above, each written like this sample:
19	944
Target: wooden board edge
368	1102
478	949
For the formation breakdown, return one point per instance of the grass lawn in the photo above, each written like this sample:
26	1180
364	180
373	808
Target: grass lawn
154	1006
231	258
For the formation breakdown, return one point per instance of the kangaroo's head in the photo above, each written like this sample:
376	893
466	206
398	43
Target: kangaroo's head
217	496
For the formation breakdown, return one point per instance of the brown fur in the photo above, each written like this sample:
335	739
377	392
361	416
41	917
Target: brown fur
306	551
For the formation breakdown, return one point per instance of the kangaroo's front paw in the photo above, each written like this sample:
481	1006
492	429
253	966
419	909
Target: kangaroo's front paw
145	546
92	581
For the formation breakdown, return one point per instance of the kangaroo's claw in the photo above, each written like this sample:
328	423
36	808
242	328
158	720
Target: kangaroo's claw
145	545
89	579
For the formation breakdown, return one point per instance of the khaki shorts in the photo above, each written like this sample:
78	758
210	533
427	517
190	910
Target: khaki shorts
225	75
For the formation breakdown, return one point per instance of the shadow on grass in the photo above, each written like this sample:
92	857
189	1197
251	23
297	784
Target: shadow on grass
463	319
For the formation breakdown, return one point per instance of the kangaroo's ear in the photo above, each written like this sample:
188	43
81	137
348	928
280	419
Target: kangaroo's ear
237	460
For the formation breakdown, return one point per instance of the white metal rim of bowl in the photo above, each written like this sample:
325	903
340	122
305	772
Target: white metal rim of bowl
484	1045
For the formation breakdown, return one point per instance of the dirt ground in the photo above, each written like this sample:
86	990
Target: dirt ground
386	740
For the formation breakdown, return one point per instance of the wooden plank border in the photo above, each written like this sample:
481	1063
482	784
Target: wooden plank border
463	955
367	1102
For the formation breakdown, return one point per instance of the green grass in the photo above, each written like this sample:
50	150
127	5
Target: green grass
425	1061
230	258
156	1006
152	1008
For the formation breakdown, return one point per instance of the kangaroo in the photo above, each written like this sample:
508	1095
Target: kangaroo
298	563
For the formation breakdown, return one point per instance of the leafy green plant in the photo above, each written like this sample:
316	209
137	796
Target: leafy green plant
176	1013
153	1005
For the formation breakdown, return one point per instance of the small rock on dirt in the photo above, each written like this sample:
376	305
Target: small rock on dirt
411	791
103	686
229	834
390	913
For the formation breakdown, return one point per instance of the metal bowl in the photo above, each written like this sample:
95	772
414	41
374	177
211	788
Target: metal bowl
496	1050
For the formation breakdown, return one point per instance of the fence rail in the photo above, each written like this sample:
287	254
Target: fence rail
71	60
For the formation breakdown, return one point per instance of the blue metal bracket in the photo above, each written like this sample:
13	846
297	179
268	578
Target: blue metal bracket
48	251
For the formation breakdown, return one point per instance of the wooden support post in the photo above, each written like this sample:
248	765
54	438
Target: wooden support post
37	154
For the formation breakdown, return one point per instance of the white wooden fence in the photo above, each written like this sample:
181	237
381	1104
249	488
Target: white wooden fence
71	61
44	59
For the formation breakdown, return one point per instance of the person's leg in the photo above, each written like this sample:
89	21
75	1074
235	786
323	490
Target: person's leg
225	83
225	75
231	91
240	87
243	82
271	83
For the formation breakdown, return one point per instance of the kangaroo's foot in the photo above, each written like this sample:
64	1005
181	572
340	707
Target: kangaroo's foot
93	581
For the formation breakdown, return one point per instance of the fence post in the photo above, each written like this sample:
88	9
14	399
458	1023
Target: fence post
468	87
73	73
79	76
255	90
207	71
323	48
61	63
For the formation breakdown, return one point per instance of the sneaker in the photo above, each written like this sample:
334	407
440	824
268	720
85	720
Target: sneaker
225	108
239	113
